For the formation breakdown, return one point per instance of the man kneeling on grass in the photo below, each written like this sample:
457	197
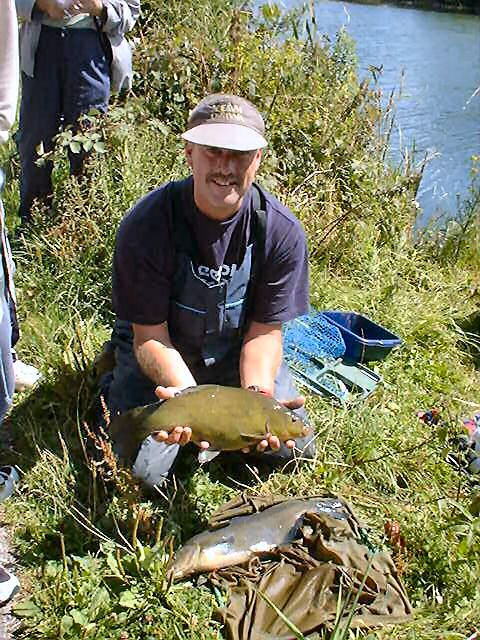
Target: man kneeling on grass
205	272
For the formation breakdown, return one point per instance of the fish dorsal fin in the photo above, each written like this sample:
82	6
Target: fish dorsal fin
196	388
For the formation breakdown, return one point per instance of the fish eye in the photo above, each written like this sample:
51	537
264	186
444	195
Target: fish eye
295	418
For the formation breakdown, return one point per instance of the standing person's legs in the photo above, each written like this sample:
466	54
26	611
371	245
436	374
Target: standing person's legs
71	76
8	475
86	83
40	115
7	379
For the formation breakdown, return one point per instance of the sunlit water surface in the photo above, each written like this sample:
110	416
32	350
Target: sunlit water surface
434	58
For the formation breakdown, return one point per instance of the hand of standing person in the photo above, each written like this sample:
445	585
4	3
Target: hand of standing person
55	9
93	7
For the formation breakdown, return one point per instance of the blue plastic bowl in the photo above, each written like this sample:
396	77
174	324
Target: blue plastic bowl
364	339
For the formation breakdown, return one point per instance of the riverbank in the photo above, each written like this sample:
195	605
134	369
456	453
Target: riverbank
436	106
450	6
92	544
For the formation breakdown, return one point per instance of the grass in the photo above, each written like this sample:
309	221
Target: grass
93	545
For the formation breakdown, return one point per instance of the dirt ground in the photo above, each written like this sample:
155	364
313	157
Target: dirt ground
8	624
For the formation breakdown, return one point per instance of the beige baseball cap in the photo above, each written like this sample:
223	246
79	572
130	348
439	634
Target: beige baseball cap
226	121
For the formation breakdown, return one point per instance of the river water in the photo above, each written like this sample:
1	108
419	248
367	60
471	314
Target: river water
434	58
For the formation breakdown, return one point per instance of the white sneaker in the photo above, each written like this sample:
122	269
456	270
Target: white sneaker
26	376
9	585
8	479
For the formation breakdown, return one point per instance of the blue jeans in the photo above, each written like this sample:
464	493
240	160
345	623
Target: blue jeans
7	378
71	76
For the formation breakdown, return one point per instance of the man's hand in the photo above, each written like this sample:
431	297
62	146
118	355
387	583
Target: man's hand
55	9
273	441
178	435
93	7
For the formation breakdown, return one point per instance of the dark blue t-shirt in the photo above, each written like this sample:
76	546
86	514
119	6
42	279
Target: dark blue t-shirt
144	260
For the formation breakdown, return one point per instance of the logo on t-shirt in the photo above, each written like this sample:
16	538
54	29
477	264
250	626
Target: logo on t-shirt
213	277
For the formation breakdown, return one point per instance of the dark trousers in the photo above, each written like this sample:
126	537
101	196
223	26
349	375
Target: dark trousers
71	76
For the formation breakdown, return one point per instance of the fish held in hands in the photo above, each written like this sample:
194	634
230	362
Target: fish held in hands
228	418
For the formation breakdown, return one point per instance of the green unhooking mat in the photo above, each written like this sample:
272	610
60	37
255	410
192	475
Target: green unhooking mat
309	580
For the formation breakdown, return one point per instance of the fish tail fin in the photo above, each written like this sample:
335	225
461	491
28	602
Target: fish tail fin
127	431
117	425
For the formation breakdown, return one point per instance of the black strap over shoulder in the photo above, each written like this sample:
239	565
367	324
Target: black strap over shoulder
258	233
260	228
183	238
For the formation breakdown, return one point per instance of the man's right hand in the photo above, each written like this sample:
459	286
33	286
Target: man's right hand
180	434
55	9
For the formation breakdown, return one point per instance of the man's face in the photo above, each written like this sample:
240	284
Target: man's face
221	178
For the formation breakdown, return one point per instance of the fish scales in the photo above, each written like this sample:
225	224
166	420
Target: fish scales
229	418
248	536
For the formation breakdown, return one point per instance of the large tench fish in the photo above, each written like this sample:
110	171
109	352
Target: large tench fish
229	418
247	536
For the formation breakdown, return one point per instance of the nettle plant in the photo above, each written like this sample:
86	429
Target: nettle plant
88	138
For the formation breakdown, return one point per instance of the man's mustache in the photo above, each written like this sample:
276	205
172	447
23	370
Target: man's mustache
222	177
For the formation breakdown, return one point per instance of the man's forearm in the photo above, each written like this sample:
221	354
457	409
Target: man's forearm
261	357
163	364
